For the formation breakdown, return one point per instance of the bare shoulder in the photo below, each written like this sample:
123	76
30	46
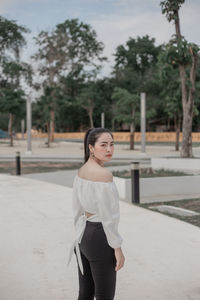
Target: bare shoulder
104	175
96	173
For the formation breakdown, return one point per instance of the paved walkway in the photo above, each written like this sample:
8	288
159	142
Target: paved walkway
67	148
162	253
151	189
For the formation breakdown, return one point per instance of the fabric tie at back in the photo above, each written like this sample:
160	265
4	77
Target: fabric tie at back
80	228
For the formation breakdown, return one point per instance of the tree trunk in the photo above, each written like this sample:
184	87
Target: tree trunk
168	123
22	128
113	124
52	125
90	112
10	129
48	134
177	128
132	136
113	119
132	128
187	97
186	149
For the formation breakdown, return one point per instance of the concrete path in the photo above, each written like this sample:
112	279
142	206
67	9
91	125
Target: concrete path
71	148
151	189
73	151
162	253
64	177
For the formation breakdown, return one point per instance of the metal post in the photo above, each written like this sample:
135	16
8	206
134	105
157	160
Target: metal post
18	164
102	120
22	128
143	121
29	125
135	184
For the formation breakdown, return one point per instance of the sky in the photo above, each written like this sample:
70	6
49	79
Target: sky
113	20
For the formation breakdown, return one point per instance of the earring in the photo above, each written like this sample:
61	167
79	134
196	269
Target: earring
92	153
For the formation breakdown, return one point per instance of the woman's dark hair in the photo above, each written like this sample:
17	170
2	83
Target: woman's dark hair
91	136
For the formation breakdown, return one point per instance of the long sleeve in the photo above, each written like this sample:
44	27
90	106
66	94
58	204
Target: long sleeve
102	200
109	212
76	206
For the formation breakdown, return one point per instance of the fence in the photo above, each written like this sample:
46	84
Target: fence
119	136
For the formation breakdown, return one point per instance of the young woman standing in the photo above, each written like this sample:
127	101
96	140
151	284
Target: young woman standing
96	216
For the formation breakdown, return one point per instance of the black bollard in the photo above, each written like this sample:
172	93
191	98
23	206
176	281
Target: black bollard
18	164
135	182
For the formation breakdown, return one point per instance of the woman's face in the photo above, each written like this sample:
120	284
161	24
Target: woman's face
103	148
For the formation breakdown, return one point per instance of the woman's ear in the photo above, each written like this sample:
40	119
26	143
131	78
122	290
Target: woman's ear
90	147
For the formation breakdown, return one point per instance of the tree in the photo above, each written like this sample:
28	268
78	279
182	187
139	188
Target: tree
134	63
135	67
41	112
127	105
168	77
69	48
68	114
185	55
12	100
11	37
104	102
87	98
12	70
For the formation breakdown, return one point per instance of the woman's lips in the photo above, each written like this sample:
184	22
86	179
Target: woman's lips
109	155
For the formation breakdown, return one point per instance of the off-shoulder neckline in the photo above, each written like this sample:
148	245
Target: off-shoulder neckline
108	182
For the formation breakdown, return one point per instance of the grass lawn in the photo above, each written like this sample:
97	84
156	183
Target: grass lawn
148	172
40	167
191	204
37	167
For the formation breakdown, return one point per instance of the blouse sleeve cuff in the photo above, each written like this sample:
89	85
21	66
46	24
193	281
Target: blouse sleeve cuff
116	244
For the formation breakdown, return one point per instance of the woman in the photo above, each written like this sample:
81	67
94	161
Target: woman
96	216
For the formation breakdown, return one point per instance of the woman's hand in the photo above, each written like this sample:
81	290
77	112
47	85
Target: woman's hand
119	259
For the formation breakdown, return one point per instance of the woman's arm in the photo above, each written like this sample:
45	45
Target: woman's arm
109	212
76	206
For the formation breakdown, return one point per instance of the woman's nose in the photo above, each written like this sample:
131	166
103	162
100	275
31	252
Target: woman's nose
109	148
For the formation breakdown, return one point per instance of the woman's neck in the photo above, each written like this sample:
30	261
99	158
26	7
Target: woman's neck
94	160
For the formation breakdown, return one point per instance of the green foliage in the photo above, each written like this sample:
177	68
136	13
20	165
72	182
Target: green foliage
41	109
136	68
126	105
12	96
135	63
139	54
88	98
170	8
4	121
13	101
70	58
169	81
70	47
88	95
14	71
11	36
69	55
180	52
81	41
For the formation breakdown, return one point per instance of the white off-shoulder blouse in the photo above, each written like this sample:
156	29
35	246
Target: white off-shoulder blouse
100	199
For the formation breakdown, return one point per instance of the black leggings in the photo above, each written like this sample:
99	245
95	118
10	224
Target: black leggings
99	263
